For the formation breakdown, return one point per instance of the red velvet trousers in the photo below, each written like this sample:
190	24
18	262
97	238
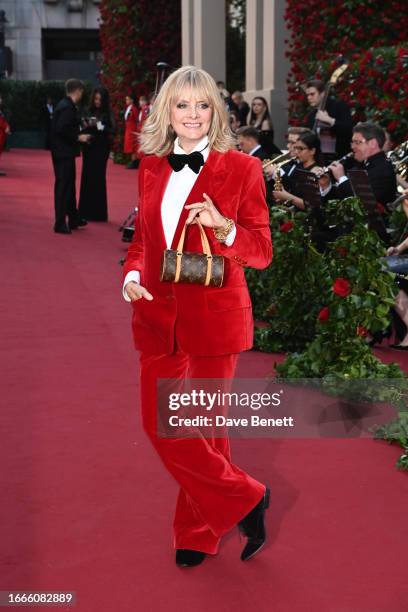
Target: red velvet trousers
214	493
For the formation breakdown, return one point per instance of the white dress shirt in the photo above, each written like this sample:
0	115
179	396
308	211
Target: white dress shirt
177	190
254	150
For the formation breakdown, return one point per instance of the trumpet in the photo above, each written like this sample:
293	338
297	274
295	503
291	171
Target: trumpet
282	158
278	186
277	162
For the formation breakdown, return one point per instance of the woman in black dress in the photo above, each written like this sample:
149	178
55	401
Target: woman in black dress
261	120
99	122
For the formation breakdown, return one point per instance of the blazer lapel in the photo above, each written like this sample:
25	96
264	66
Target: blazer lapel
155	183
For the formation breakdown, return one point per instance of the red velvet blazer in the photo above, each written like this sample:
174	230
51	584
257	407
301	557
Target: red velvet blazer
203	320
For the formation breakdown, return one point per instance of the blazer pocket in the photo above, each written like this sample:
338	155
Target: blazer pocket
228	299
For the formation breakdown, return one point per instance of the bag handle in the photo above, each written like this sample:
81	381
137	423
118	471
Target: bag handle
204	240
206	250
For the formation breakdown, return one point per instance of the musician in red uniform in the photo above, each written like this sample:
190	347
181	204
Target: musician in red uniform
130	142
4	129
192	170
143	113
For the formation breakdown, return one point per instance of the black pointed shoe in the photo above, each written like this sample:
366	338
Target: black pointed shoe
79	222
253	527
62	229
189	558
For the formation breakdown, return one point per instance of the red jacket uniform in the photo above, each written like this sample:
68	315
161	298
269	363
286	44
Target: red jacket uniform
205	320
4	127
130	143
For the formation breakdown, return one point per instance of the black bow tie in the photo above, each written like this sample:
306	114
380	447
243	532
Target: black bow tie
194	161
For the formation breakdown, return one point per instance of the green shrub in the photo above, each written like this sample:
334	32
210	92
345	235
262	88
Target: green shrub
24	101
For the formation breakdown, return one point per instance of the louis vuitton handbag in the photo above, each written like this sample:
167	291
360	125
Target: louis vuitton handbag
194	268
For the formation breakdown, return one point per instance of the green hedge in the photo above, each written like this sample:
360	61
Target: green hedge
24	101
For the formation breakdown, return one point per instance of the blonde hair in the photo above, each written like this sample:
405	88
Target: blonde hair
157	136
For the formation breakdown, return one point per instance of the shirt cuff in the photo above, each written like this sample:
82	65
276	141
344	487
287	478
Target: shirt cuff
133	275
324	192
229	241
342	179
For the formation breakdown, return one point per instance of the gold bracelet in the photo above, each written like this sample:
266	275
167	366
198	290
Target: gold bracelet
222	233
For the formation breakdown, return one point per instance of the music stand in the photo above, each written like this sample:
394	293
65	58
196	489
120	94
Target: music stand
307	185
362	188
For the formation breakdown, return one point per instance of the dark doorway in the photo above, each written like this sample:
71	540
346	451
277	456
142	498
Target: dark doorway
71	53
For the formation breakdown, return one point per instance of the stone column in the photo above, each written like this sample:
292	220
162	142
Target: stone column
266	64
203	35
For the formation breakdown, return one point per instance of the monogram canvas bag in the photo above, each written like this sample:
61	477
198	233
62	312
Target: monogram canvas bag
194	268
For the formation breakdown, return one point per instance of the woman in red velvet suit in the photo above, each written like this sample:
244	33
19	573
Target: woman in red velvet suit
192	169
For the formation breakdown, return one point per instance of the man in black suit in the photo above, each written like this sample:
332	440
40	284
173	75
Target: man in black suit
65	139
248	141
243	107
225	95
47	112
334	125
367	143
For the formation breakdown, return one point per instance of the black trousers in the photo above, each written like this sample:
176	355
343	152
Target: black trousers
64	190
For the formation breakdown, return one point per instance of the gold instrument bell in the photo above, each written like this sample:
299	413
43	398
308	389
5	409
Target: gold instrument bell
278	161
399	159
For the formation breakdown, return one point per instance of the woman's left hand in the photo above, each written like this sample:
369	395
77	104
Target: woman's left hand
206	212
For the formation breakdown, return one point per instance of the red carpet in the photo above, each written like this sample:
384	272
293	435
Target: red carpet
85	503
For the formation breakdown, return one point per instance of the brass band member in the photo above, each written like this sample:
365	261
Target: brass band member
286	170
367	143
307	149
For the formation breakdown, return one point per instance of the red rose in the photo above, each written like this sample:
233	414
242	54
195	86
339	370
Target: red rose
342	251
362	331
324	314
341	287
287	227
380	208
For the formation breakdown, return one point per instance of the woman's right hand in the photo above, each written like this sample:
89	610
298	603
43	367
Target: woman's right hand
392	251
136	292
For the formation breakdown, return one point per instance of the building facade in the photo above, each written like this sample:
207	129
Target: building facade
58	39
53	39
